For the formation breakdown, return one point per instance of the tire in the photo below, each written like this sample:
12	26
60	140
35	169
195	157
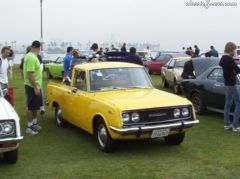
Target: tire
11	157
176	88
164	83
198	103
58	117
49	76
175	139
103	138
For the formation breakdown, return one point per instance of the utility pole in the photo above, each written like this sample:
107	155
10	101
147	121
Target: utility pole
41	23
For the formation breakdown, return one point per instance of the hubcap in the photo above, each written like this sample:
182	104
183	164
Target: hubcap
58	117
102	135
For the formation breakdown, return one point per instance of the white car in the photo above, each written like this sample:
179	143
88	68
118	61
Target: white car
10	134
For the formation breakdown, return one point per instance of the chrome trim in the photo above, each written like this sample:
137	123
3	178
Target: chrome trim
141	129
7	140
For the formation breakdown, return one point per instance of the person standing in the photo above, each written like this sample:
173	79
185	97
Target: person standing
33	85
11	59
133	57
67	65
4	67
213	52
230	70
124	49
196	52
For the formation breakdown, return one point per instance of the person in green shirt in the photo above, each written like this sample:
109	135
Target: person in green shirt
32	76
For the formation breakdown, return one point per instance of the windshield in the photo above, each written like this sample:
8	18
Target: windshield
119	78
180	64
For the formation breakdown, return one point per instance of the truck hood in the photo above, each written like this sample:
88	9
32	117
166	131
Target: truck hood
141	98
6	110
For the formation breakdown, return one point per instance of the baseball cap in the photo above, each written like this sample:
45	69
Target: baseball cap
36	44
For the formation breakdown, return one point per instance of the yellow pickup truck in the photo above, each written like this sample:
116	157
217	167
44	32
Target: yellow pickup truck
117	101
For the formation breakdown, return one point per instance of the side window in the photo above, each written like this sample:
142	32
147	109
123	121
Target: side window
160	58
167	58
167	64
214	74
220	78
171	64
59	60
80	81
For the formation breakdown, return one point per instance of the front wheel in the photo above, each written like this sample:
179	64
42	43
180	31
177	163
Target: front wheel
11	157
164	83
58	117
175	139
198	103
103	138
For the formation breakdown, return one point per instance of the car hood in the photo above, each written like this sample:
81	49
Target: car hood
141	98
6	110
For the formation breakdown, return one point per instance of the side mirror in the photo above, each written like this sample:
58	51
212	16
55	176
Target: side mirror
74	89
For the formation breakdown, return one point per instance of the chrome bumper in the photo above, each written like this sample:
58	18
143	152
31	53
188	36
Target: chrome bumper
10	140
140	129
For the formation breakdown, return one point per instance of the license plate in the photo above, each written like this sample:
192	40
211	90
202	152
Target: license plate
160	133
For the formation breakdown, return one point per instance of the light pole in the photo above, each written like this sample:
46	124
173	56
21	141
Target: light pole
41	22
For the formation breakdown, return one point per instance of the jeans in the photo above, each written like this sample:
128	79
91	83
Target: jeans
232	94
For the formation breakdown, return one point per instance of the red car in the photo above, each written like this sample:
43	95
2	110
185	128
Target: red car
155	65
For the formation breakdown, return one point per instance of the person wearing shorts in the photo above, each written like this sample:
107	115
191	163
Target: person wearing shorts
32	75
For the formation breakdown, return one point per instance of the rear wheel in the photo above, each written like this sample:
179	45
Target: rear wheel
49	76
103	138
11	157
198	103
58	117
164	82
175	139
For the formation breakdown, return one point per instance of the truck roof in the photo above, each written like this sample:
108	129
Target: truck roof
102	65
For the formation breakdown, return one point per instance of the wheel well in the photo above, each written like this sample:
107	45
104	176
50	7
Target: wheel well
95	120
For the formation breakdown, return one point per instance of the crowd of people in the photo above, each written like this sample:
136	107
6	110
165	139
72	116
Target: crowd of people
196	52
31	68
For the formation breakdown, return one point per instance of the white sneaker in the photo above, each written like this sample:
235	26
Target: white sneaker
236	129
227	127
30	130
37	127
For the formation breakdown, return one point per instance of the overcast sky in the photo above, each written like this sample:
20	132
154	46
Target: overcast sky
168	22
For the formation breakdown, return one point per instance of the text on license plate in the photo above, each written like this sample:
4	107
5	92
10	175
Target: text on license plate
160	133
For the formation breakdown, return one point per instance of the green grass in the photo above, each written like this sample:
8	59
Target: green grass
207	152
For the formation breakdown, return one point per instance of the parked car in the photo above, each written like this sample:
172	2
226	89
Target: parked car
155	65
207	91
56	70
172	71
10	134
117	101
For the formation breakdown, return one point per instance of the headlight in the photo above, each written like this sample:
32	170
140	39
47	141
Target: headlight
125	117
176	113
135	117
8	128
185	112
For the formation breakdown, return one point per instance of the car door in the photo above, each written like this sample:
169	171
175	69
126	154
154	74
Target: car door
169	73
156	64
80	99
214	88
218	90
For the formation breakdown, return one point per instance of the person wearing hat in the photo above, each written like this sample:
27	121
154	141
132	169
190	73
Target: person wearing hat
32	76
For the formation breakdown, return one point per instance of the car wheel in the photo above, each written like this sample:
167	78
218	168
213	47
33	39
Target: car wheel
11	157
176	87
58	117
198	103
164	83
49	76
104	140
175	139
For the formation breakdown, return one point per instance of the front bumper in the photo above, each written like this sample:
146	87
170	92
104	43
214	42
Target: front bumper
143	129
11	140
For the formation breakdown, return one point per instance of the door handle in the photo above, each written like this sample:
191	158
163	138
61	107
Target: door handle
217	85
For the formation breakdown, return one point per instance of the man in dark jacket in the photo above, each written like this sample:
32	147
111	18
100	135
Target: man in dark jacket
133	58
188	70
230	70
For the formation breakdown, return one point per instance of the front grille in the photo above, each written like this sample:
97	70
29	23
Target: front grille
159	116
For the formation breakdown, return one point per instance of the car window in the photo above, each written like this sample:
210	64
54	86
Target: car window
118	78
59	60
80	80
161	57
215	74
172	63
167	64
220	78
167	58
